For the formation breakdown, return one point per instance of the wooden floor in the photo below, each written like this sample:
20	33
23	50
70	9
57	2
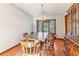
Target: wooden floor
58	47
17	51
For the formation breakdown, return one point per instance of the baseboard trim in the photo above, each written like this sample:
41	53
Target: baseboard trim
9	49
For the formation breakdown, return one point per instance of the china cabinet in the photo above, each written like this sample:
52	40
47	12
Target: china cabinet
71	46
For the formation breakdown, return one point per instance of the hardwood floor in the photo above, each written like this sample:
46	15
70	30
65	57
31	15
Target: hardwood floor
12	51
58	47
17	51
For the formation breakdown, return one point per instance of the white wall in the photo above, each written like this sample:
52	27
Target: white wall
13	23
59	24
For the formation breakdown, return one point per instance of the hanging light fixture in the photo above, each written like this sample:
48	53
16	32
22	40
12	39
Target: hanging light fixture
42	16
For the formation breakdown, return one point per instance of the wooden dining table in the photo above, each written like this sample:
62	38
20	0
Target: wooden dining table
34	43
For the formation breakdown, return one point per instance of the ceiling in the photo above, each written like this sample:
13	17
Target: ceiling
34	9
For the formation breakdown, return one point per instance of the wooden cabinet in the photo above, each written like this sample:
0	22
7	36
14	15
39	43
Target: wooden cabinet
72	20
72	29
75	51
70	48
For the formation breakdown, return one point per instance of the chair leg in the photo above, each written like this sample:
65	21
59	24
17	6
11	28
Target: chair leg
23	48
37	50
26	51
30	50
34	50
53	50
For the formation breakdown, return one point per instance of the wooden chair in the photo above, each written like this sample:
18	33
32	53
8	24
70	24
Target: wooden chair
30	46
48	49
49	45
25	35
24	46
31	32
36	47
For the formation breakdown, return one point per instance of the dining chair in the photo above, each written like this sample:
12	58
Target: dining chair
24	46
49	45
25	35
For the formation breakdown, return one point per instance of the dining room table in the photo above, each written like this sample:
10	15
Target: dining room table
35	43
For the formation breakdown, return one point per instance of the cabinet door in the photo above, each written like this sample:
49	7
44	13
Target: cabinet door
71	49
74	21
75	50
68	48
69	24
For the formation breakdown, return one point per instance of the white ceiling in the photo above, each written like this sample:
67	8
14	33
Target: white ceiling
34	9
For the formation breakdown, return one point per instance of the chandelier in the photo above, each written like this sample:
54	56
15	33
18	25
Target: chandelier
42	16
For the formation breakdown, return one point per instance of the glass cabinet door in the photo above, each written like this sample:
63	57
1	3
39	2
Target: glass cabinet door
74	22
